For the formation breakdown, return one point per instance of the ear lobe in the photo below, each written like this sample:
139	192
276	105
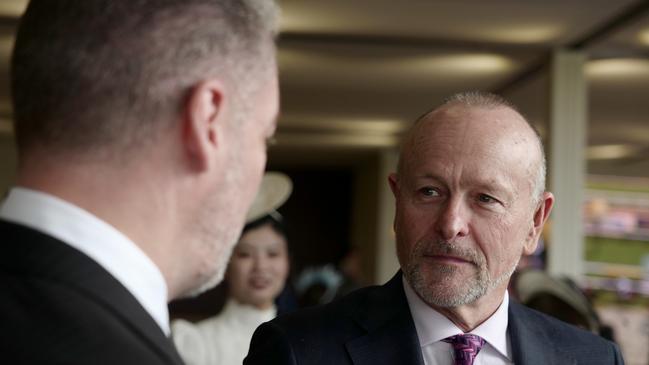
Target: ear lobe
541	215
202	122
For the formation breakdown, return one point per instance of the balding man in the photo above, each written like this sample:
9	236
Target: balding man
141	129
470	201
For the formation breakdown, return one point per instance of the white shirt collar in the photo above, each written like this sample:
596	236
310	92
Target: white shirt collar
432	326
111	249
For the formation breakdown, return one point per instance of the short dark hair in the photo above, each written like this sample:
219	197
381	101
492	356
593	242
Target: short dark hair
95	73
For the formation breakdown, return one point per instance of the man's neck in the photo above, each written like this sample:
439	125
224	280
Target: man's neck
469	316
99	190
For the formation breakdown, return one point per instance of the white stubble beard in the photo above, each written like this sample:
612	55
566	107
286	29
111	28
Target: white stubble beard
472	290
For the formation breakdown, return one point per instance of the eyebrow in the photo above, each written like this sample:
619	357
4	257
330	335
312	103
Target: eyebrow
426	176
493	185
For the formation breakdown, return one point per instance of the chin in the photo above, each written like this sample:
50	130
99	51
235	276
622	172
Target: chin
206	283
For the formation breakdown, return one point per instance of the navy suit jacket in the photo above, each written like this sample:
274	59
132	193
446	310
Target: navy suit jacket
373	326
57	306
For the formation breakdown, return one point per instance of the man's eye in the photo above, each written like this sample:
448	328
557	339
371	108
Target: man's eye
428	191
484	198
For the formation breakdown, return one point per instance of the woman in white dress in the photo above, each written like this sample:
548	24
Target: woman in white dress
255	276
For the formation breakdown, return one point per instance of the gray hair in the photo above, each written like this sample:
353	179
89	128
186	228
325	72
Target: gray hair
482	99
92	74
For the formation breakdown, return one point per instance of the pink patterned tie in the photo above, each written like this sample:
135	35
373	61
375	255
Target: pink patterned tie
466	347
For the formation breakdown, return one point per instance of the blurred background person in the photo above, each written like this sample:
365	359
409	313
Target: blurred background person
558	297
318	285
255	277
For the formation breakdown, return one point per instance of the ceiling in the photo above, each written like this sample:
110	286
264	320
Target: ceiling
354	74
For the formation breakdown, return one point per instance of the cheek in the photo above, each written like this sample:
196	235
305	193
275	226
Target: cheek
414	222
411	226
280	267
257	155
405	246
256	173
490	237
253	151
501	242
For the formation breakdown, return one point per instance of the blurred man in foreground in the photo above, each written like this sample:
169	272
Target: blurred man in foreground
141	129
470	201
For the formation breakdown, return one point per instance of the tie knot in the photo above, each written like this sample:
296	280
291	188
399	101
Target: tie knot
466	347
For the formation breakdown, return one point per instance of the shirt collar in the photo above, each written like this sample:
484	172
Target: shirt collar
103	243
432	326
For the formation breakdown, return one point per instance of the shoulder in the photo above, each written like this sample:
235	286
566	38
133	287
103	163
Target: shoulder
66	326
341	313
319	335
553	327
528	325
315	335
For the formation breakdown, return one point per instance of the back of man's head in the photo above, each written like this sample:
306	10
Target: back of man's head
109	75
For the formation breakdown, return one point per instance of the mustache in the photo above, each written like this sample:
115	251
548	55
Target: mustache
443	248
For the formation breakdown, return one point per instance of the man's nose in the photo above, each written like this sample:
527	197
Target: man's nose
452	222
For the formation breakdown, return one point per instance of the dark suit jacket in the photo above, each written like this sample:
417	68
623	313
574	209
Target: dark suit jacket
373	326
57	306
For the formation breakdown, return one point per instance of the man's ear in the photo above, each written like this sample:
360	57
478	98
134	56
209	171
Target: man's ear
202	122
541	215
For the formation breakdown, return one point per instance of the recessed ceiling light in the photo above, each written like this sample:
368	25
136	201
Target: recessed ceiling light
470	63
351	125
618	67
13	8
610	151
540	33
643	37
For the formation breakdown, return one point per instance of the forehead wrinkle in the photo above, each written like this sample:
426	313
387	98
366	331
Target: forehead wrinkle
475	131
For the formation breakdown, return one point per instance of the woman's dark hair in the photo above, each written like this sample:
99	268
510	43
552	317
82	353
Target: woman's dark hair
274	219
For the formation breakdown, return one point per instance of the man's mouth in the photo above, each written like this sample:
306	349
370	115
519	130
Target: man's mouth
449	259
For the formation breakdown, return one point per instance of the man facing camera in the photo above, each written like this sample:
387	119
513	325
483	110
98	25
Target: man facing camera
470	201
141	129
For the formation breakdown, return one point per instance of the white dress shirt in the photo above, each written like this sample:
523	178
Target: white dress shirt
432	327
111	249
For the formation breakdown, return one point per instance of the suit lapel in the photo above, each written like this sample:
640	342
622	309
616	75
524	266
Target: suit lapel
531	345
391	335
32	253
107	290
392	338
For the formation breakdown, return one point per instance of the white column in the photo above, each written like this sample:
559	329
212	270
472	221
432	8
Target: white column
567	140
386	253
